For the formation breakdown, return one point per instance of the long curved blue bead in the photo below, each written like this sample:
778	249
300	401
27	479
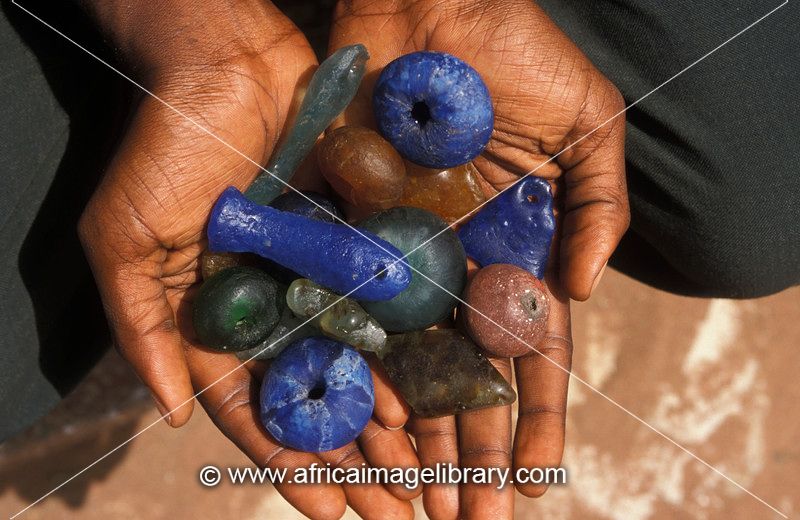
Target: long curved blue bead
333	255
514	228
331	89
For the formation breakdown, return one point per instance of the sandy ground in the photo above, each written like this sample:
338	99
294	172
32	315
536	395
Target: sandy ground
717	376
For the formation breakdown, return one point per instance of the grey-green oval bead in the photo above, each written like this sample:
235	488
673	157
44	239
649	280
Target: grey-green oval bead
442	260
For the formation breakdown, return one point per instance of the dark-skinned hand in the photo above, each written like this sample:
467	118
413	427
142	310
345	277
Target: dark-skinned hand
235	68
547	96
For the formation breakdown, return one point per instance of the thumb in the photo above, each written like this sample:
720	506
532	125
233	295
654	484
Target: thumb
135	301
596	210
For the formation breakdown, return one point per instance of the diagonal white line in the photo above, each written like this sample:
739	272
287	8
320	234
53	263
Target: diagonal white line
599	392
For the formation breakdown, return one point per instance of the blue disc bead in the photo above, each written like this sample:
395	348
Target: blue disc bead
317	395
515	228
434	108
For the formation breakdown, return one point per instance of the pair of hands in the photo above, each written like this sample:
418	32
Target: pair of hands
237	68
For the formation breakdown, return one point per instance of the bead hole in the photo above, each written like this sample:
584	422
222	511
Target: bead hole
381	272
421	113
533	198
317	392
242	322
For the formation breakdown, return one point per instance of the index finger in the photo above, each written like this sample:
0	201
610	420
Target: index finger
542	382
231	400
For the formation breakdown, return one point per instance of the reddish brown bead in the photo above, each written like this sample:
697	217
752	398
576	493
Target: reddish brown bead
512	298
362	167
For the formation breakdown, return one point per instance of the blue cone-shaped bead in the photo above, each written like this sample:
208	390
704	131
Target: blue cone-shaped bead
514	228
333	255
317	395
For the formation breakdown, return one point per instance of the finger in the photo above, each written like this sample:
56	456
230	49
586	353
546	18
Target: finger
596	206
368	500
390	408
141	319
542	381
231	401
437	443
389	449
484	441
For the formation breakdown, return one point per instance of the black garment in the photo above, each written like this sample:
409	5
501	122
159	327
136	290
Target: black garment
59	116
712	167
713	163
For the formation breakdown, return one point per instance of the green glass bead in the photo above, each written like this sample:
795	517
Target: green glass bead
441	372
330	90
237	308
288	329
345	320
442	260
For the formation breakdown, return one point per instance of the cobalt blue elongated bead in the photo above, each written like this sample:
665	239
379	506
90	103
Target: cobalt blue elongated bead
318	208
333	255
317	395
514	228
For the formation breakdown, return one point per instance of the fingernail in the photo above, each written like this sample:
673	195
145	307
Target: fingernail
163	410
598	277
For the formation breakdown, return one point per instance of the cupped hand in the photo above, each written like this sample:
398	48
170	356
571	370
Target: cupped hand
549	102
230	73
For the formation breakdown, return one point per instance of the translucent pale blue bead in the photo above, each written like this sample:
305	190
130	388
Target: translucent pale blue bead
339	318
330	90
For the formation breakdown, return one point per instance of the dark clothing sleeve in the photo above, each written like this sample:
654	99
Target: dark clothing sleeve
59	117
713	162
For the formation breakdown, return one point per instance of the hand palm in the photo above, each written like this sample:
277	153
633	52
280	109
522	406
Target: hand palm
546	96
144	232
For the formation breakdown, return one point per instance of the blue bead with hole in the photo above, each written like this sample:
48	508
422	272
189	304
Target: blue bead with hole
434	108
317	395
336	256
515	228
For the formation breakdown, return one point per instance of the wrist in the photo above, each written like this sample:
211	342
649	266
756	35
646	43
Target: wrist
184	36
137	25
